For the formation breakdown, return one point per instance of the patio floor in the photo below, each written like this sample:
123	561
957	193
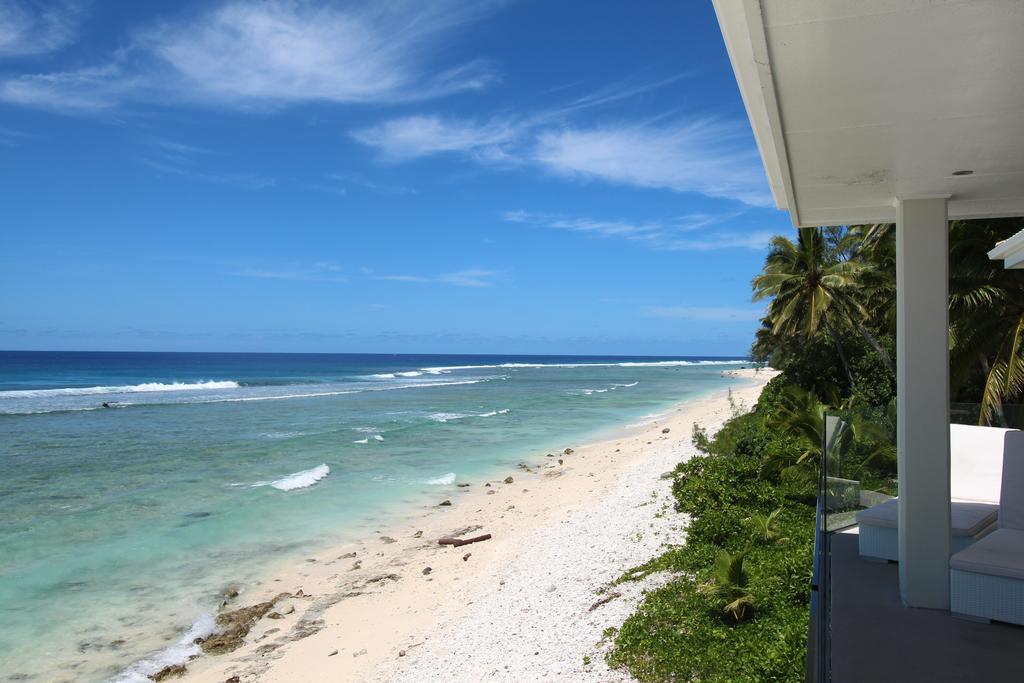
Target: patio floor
875	638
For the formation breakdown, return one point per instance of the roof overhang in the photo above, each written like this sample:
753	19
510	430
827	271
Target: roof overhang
1010	251
857	104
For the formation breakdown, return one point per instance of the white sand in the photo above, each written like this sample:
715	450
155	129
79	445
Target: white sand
517	609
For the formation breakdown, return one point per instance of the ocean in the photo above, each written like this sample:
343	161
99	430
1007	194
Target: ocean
135	487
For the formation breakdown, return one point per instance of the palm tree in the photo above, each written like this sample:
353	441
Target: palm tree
730	582
767	529
875	245
986	307
810	289
800	414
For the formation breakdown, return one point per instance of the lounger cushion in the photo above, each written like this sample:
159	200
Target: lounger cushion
1012	499
968	519
976	462
1001	553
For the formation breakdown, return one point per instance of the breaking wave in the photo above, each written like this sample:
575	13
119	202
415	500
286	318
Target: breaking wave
625	364
445	480
448	417
301	480
146	387
179	653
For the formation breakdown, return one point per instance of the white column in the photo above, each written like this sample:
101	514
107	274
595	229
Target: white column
922	388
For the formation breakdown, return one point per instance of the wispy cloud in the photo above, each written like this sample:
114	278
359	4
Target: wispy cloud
706	156
419	136
705	313
470	277
192	162
316	272
693	232
301	51
701	155
86	91
28	28
12	138
271	54
346	179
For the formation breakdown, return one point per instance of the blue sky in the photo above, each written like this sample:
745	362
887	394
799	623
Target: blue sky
531	177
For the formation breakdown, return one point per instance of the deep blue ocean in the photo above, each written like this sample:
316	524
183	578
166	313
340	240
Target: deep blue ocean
121	525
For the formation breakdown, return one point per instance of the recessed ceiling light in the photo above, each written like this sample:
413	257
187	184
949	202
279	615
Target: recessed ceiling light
964	172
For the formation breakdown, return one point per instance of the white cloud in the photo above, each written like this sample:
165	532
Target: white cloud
470	277
275	53
341	182
282	52
419	136
693	232
705	313
703	156
10	137
192	162
28	29
86	90
316	272
708	157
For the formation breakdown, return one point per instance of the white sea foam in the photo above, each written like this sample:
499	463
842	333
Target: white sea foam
301	480
393	375
361	441
281	435
146	387
631	384
316	394
16	408
179	653
378	437
447	417
627	364
446	480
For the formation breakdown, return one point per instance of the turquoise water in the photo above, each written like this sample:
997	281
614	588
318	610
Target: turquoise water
119	526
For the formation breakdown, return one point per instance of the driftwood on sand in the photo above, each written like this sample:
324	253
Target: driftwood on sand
457	542
606	599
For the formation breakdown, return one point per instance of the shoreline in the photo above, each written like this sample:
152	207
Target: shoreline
376	608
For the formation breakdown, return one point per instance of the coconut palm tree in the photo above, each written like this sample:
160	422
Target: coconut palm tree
730	582
810	289
767	529
874	245
986	306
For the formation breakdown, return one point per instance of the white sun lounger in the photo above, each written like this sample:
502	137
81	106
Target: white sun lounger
986	580
976	462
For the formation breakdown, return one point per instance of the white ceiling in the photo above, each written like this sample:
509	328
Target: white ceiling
855	103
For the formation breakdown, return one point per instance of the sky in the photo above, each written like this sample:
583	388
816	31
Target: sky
426	177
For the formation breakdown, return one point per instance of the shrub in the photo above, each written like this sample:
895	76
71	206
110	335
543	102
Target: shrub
701	625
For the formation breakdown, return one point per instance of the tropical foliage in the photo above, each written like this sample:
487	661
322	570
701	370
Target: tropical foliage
736	608
832	302
730	583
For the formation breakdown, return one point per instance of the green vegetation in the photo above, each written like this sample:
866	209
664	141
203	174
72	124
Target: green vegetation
831	324
736	608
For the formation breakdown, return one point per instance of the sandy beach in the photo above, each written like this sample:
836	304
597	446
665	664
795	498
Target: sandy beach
524	605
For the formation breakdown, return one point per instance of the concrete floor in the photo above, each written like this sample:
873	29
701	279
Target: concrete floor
875	638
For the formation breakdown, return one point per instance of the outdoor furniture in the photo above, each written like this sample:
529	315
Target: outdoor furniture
976	462
987	578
